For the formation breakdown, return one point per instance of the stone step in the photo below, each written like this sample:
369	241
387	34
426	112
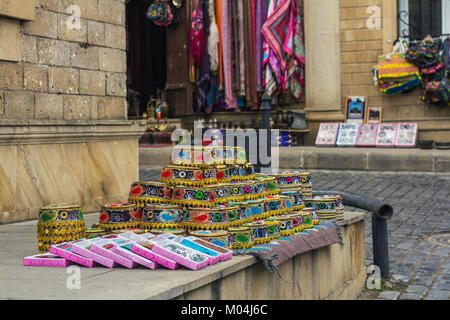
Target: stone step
370	159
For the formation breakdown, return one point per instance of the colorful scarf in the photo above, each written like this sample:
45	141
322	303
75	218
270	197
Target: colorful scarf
197	34
235	51
259	19
283	33
219	46
203	82
275	30
241	48
250	68
296	53
213	38
271	68
226	52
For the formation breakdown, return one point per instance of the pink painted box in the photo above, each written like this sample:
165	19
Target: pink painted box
185	256
226	253
64	250
145	249
45	260
104	248
125	251
83	248
212	255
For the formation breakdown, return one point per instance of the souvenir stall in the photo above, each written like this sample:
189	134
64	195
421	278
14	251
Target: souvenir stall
207	205
421	64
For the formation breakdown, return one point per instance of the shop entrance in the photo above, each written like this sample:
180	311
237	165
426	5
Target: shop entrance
146	58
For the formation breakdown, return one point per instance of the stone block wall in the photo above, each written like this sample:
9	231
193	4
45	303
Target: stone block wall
64	133
65	74
360	48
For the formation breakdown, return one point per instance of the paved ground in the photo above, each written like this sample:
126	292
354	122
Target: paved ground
420	268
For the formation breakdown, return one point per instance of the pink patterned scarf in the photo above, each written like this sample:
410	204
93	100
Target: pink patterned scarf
226	49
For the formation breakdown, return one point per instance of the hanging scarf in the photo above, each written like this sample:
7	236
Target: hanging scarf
226	52
271	68
250	69
259	5
197	34
275	30
219	47
254	86
203	83
241	48
295	49
235	46
284	35
213	38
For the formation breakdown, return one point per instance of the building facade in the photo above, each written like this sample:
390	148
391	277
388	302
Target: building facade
64	133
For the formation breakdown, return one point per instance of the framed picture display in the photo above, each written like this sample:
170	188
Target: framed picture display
327	134
406	135
367	135
386	134
355	109
373	115
347	134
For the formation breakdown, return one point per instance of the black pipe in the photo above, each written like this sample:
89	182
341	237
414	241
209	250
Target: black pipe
266	110
381	212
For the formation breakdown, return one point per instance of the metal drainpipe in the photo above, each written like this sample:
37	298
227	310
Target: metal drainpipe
266	109
380	214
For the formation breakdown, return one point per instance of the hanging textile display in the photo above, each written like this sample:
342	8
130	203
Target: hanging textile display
284	35
204	77
394	73
197	33
242	50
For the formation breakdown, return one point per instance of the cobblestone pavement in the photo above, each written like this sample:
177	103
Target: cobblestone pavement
420	268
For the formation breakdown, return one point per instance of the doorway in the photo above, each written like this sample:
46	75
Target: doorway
146	57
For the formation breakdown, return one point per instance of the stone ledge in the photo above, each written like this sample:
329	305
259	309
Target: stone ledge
361	159
162	283
18	132
366	159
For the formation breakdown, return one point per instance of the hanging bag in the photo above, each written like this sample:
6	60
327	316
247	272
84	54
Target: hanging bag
395	67
394	74
160	12
438	92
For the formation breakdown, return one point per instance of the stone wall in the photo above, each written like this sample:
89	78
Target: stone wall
64	74
64	133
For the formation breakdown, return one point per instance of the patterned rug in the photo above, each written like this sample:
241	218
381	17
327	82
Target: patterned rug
276	252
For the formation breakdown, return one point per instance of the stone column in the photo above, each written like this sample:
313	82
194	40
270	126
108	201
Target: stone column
323	66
